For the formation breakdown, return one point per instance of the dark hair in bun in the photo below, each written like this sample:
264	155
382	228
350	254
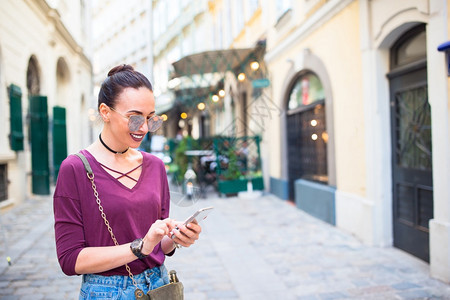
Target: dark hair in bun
119	78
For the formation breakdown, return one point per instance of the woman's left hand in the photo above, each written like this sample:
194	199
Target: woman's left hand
186	235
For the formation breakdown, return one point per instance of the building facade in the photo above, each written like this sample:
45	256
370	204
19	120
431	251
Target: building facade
45	72
362	141
199	46
350	98
122	34
352	106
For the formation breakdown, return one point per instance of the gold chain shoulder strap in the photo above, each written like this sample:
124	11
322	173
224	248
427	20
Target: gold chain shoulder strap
90	175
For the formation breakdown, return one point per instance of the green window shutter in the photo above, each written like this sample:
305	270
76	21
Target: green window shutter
15	110
40	173
59	138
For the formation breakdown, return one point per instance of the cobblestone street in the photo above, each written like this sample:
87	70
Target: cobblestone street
263	248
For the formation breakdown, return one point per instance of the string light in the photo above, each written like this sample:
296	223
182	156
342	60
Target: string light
201	106
183	115
241	77
254	65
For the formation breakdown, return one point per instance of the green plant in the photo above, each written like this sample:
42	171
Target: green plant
232	172
181	160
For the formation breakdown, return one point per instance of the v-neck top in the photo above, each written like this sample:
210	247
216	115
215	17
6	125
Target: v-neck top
121	174
130	211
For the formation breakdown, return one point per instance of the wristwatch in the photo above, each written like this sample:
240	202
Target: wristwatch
136	248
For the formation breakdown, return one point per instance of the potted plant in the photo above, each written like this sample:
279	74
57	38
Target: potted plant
235	175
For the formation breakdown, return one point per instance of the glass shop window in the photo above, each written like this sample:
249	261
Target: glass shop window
307	132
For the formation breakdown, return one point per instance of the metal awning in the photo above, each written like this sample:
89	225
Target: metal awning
200	75
217	61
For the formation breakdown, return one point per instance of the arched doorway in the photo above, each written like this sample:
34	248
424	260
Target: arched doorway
59	115
62	80
306	131
411	143
33	77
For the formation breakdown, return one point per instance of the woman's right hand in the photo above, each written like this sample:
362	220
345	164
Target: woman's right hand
156	233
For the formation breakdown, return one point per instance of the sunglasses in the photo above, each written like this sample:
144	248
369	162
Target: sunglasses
136	121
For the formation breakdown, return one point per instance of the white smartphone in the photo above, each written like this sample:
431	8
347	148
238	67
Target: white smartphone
199	215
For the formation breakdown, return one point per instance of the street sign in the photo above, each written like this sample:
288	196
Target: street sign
260	83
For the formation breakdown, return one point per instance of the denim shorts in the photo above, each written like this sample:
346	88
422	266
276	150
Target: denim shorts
121	287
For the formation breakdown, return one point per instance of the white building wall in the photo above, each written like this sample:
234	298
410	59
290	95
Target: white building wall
362	129
438	91
381	24
33	28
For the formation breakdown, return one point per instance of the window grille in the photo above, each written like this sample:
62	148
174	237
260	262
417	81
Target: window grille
306	131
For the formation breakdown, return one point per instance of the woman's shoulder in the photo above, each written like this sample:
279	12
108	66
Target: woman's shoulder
71	159
71	162
70	173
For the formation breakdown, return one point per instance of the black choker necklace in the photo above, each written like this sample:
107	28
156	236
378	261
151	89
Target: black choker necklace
106	146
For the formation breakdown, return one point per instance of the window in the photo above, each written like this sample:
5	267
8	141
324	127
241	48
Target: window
308	89
238	12
3	182
16	135
184	3
252	7
411	49
173	12
282	7
306	129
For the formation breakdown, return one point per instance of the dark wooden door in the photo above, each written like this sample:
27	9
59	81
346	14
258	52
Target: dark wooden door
306	142
411	159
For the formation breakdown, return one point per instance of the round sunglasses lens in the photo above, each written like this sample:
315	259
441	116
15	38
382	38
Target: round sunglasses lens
135	122
154	123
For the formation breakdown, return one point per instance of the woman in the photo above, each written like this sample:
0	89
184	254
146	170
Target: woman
134	193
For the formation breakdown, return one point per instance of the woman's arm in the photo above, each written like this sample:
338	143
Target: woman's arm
101	259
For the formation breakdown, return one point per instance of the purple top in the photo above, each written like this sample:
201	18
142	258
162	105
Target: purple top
130	212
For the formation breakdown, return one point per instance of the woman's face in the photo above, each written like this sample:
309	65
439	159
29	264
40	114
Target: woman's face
131	102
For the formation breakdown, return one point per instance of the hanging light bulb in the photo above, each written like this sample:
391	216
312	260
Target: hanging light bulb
241	76
221	93
183	115
215	98
201	106
254	65
164	117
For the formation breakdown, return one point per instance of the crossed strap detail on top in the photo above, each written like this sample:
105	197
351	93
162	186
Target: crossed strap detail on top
122	174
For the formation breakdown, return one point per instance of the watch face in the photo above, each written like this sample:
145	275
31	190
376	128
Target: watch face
136	245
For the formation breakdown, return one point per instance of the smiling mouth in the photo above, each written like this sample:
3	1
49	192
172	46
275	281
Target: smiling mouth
137	137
